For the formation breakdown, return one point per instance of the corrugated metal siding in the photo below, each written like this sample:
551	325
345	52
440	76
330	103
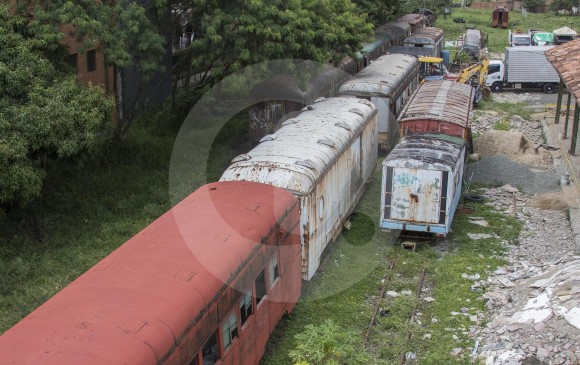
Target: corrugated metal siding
443	100
529	64
324	156
565	60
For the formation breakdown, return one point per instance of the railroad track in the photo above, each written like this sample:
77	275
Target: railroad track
388	278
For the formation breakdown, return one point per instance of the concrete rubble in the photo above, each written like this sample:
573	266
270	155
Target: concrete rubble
534	301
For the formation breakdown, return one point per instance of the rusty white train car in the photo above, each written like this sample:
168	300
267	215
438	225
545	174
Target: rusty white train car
324	156
439	107
206	283
388	83
421	183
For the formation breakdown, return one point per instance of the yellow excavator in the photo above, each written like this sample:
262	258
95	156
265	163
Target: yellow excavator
432	68
469	76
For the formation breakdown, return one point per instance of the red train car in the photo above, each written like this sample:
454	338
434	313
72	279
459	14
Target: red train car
439	107
206	283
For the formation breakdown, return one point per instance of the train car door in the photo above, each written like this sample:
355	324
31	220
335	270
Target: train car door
416	195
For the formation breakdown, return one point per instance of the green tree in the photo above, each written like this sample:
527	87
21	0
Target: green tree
562	5
123	30
231	34
44	112
378	11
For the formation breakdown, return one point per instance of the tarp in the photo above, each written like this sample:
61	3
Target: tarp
564	31
543	38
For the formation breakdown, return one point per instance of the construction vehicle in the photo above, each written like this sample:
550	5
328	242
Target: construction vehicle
433	68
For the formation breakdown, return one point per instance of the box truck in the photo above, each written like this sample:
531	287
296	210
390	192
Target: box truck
525	67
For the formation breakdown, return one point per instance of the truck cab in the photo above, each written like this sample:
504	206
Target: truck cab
495	75
519	38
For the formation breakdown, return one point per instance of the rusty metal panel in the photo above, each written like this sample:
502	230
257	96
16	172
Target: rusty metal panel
323	156
444	101
412	19
565	60
421	183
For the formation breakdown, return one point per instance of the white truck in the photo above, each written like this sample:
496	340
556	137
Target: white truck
519	38
525	67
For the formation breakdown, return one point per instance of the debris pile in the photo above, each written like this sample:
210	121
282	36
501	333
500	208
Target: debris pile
534	301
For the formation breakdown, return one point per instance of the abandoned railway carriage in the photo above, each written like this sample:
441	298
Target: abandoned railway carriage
388	83
439	107
204	284
429	39
421	183
282	97
324	156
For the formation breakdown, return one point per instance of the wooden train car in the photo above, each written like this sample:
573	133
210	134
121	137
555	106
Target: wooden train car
421	183
204	284
440	107
324	156
388	83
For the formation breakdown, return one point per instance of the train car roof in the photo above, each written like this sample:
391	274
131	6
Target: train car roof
427	151
383	77
425	35
297	155
135	304
444	100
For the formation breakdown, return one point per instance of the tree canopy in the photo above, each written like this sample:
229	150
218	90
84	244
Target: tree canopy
231	34
44	112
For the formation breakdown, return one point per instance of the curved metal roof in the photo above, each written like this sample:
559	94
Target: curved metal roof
428	151
138	302
383	77
445	100
426	35
300	153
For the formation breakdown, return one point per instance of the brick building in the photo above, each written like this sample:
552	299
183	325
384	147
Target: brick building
122	84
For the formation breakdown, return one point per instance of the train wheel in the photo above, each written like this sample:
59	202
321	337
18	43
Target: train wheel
496	87
549	88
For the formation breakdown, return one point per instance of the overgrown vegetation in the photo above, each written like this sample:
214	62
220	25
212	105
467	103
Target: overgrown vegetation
441	325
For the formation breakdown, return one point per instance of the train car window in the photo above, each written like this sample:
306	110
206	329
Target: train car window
195	360
274	270
246	309
229	330
210	351
321	208
260	287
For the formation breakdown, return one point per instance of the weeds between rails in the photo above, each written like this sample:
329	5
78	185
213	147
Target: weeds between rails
405	237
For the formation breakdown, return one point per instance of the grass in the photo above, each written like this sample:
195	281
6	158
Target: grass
497	37
88	210
351	275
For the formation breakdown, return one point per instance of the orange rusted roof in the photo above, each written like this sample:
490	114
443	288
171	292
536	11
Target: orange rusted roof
565	60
